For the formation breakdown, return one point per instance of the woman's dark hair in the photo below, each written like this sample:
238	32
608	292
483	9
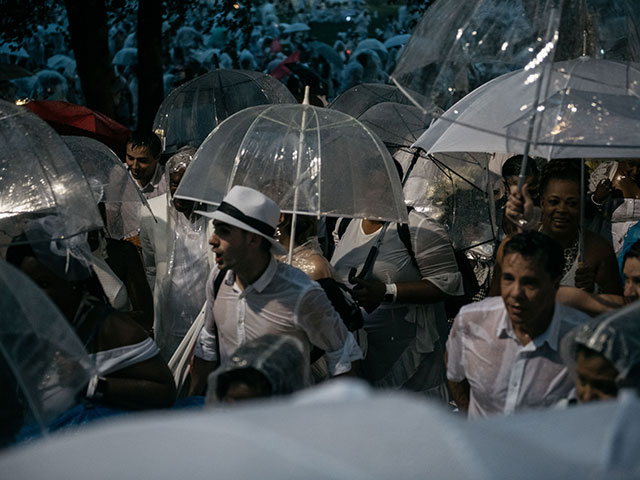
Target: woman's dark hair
560	169
513	165
538	246
633	252
249	376
306	226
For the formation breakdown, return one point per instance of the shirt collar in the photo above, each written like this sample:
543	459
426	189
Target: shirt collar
155	179
265	279
549	336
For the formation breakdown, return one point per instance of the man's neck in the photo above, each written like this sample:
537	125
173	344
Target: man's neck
528	332
254	270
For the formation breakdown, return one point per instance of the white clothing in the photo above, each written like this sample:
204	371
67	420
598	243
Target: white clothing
131	211
174	252
109	361
113	287
504	375
283	301
403	338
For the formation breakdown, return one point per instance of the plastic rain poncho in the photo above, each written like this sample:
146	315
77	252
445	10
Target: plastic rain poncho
175	257
279	358
615	335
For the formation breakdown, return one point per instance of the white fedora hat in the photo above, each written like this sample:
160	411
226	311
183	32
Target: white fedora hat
249	210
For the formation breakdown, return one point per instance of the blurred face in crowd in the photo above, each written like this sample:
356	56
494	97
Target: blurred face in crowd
631	272
561	208
596	377
141	163
183	206
528	292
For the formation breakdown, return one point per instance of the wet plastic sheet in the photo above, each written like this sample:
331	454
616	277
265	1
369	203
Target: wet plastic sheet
47	364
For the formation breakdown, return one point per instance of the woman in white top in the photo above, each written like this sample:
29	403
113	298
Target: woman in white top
407	329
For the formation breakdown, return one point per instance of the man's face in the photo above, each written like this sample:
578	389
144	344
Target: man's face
631	272
528	292
141	163
183	206
230	244
596	378
561	207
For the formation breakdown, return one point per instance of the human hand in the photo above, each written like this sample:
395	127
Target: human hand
603	191
368	293
585	277
519	208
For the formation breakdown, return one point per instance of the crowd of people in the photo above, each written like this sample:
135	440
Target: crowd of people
281	43
190	301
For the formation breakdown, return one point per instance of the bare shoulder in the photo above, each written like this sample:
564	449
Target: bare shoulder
120	329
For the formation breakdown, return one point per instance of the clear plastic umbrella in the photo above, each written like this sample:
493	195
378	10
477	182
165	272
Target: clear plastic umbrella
110	182
39	176
193	110
589	108
458	46
126	56
375	45
310	160
44	365
360	98
397	40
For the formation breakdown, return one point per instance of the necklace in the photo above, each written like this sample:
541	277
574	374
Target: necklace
570	255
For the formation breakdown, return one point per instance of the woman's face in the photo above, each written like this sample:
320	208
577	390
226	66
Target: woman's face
561	208
596	378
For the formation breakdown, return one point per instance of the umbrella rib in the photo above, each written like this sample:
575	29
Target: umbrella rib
442	165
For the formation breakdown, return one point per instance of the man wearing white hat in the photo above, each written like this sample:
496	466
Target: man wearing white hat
260	295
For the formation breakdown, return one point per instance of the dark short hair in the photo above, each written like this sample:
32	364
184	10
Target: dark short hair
513	166
560	169
633	252
145	139
536	245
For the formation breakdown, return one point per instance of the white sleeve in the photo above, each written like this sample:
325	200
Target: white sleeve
434	255
206	345
325	330
148	255
455	351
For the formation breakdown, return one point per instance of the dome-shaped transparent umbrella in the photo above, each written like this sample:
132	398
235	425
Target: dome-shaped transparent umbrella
193	110
310	160
39	177
110	183
360	98
43	365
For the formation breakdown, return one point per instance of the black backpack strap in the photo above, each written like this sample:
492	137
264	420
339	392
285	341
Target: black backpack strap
343	223
217	283
405	237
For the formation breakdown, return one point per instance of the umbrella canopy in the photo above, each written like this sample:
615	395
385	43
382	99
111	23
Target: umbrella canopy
396	124
318	436
69	119
397	40
586	108
297	27
193	110
375	45
43	363
63	64
39	176
310	160
329	53
360	98
110	181
459	46
126	56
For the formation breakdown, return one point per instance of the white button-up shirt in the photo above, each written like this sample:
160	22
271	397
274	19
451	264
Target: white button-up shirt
285	301
504	375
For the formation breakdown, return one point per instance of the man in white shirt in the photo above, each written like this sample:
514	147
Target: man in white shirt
503	353
260	295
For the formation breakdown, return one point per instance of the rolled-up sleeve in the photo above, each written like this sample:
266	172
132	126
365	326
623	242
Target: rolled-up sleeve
325	329
435	256
455	352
